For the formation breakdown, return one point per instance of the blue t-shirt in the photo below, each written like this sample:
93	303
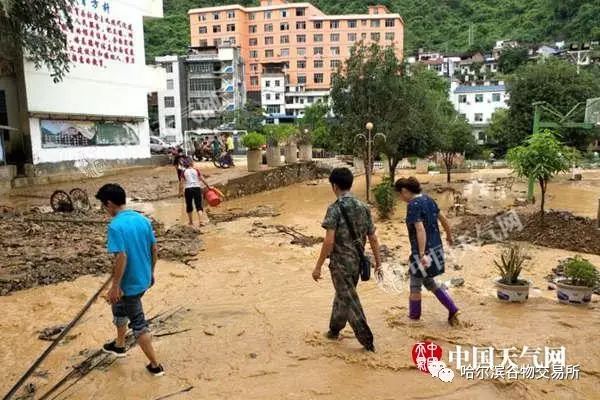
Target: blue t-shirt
131	233
423	208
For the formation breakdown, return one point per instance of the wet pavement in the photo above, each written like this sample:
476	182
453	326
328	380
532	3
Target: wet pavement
256	318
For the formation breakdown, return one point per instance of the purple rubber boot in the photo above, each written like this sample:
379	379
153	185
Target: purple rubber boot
414	309
445	299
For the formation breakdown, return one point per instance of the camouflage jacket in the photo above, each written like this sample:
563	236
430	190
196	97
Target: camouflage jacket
344	251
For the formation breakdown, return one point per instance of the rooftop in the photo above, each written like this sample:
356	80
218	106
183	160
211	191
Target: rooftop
480	88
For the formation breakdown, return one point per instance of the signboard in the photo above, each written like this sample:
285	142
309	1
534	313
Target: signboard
60	134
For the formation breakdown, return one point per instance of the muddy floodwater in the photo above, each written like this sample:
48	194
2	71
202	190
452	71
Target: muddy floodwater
253	319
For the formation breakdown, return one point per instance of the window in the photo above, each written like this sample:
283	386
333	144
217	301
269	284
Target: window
268	14
202	17
301	64
277	96
481	136
253	41
277	82
169	102
254	80
318	63
254	68
335	64
252	28
253	54
300	38
390	36
168	68
202	85
363	36
200	68
231	14
269	53
170	121
268	27
389	23
334	24
301	80
252	16
230	27
318	51
301	51
334	37
267	83
335	51
478	117
268	40
318	25
363	22
216	16
284	26
352	37
318	78
203	43
170	84
318	37
284	39
310	99
268	96
496	97
479	98
375	36
285	52
216	28
273	109
284	13
352	23
375	23
300	12
462	98
202	30
301	25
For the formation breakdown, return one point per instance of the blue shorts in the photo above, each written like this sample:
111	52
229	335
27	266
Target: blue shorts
129	309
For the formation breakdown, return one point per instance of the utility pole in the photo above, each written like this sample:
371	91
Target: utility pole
369	139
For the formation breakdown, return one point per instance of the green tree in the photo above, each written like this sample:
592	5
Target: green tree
556	82
33	28
456	138
497	131
250	118
541	158
512	58
315	121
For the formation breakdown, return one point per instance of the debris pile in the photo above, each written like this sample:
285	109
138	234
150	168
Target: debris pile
298	238
233	214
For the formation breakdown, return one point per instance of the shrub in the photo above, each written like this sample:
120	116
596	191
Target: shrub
277	134
254	141
511	265
580	272
385	198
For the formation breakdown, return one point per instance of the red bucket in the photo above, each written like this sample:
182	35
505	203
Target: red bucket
213	197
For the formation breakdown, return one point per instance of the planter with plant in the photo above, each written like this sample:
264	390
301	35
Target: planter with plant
254	142
305	143
580	279
275	135
385	198
509	287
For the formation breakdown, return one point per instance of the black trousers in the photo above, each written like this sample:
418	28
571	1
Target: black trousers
193	196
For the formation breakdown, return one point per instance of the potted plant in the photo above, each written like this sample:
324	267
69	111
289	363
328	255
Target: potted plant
275	135
580	279
254	142
305	143
509	287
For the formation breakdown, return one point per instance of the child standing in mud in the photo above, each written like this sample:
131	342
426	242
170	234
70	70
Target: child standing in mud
427	252
131	239
344	259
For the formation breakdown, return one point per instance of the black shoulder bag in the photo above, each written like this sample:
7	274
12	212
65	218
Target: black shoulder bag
365	263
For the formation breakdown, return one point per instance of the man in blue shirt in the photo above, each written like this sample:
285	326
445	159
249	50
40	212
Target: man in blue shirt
131	239
427	251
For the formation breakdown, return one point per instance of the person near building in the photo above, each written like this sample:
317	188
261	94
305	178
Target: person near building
190	187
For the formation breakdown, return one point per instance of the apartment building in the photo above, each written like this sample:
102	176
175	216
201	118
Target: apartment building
295	42
200	88
477	103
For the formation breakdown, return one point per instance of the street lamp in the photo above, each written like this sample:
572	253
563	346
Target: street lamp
369	139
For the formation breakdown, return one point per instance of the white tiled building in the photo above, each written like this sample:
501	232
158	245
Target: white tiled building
477	103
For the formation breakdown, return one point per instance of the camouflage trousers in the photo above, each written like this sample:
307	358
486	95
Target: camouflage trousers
347	307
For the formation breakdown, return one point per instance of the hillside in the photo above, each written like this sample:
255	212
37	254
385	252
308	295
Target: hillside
432	24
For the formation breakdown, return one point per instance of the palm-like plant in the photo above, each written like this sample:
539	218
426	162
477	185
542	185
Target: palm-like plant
511	265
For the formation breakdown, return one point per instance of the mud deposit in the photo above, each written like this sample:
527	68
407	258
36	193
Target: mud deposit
45	248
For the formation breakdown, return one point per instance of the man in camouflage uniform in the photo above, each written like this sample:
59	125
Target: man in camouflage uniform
344	257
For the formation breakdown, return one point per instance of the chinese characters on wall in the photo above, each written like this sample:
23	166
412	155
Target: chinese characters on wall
97	37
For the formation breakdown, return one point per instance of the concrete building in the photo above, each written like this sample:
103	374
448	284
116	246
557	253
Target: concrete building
200	88
477	103
97	116
295	41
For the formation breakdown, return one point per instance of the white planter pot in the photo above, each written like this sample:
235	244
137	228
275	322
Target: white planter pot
306	152
254	160
569	294
273	156
291	153
512	293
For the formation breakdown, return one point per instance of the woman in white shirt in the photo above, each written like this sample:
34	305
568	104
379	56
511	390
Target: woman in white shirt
191	181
